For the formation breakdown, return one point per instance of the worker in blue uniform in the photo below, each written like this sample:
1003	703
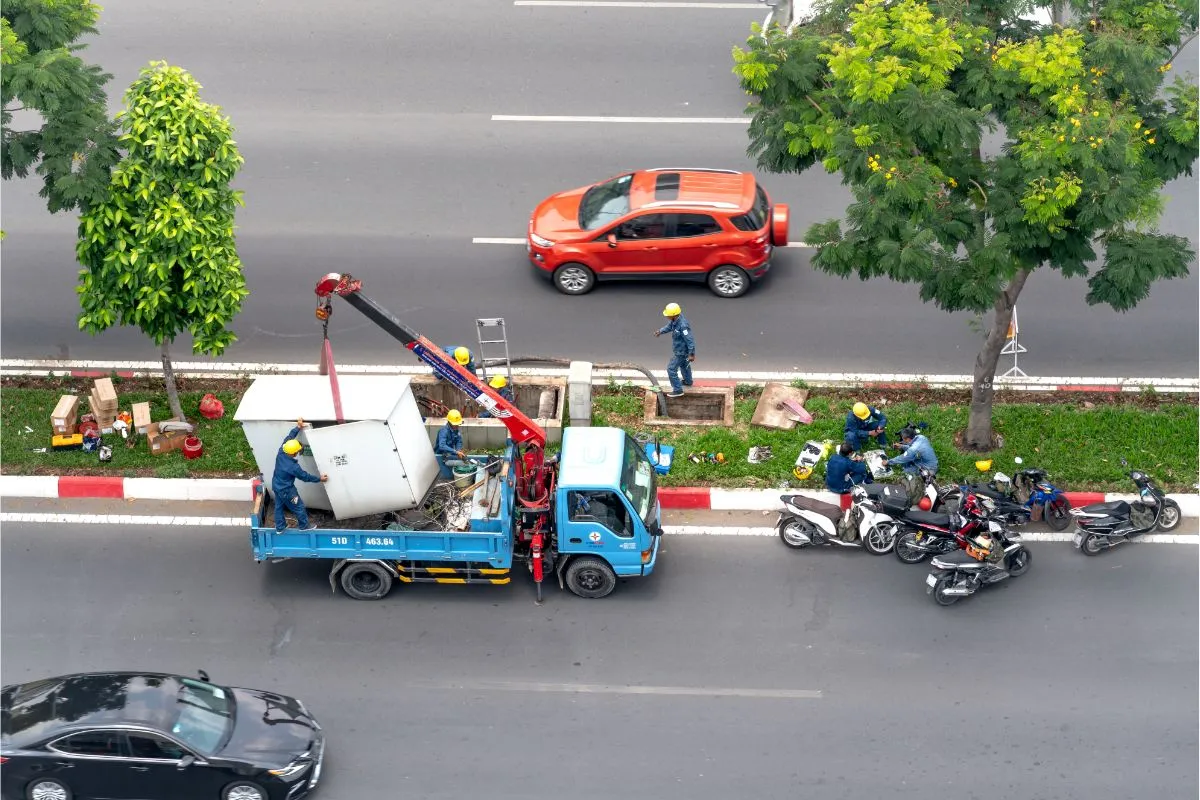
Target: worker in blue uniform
462	355
500	384
844	471
449	446
683	349
865	423
283	481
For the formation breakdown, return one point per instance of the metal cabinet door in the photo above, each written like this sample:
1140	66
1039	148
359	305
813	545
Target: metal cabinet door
366	475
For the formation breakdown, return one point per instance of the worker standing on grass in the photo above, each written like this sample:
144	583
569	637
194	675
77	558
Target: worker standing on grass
500	384
449	446
283	481
865	423
683	349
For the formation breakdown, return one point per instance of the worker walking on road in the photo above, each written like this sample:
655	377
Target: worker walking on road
283	481
500	384
865	423
683	349
449	446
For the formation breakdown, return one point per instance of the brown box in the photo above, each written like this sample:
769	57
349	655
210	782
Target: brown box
66	413
65	430
164	442
141	417
105	394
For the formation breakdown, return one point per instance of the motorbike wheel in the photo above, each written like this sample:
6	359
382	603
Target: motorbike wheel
1019	562
906	550
1170	517
939	592
1057	514
790	533
880	539
1090	545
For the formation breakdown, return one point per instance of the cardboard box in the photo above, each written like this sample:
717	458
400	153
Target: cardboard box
141	417
64	430
161	443
66	413
105	394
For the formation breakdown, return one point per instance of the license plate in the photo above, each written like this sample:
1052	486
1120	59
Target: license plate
1078	539
931	580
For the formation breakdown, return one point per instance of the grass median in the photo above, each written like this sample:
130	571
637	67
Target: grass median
1078	438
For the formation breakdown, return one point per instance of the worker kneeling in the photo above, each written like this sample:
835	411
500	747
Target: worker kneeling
283	481
500	384
449	446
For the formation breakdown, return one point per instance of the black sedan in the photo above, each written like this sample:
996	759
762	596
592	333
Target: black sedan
149	736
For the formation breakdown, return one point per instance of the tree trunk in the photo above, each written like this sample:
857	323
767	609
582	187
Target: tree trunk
169	378
979	425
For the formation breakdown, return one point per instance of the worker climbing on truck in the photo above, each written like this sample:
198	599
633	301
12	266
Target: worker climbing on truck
500	384
463	356
283	482
449	446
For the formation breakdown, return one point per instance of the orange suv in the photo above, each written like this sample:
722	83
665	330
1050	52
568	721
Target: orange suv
713	225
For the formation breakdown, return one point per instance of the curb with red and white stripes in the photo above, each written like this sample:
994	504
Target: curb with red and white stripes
691	498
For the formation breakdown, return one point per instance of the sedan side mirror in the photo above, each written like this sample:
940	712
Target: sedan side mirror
186	761
612	240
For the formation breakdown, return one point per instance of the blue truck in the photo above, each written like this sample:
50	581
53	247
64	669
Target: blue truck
589	514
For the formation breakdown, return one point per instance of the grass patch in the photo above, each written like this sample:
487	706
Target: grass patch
226	451
1079	442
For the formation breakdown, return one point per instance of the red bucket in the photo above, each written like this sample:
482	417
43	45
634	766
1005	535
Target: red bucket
193	447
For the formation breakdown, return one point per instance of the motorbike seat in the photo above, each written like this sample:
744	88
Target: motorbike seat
960	559
927	518
987	491
1112	508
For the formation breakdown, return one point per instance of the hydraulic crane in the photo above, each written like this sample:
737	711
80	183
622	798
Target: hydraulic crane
535	474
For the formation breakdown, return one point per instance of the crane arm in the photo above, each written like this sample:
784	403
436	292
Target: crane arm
521	428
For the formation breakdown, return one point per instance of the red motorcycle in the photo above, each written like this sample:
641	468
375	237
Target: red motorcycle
926	533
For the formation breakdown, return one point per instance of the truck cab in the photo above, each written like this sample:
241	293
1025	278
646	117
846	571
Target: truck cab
607	511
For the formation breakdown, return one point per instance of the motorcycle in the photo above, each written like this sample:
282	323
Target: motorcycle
1100	526
805	522
961	574
1029	489
925	533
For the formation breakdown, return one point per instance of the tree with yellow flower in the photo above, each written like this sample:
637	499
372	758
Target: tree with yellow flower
897	96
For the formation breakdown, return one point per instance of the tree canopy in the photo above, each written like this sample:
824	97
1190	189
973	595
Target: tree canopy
979	146
75	146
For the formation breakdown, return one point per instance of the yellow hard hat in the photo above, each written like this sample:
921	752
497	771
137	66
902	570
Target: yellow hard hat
498	382
983	466
672	310
454	417
292	446
462	355
861	411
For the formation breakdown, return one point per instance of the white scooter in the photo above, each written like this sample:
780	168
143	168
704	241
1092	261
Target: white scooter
805	522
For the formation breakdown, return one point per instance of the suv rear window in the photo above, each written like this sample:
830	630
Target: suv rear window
756	218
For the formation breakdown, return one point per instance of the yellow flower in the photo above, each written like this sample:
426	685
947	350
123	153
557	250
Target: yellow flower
1095	113
953	182
1137	125
1075	122
1151	140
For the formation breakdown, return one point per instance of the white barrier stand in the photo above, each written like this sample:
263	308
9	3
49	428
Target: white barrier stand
1013	348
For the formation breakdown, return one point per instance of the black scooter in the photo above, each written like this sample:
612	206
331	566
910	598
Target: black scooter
957	575
1101	526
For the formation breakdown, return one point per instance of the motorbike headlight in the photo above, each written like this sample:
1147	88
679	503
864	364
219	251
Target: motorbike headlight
540	241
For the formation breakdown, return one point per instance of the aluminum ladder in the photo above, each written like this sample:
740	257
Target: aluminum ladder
491	331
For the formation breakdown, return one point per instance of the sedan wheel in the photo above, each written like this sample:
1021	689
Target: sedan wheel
244	791
729	281
47	789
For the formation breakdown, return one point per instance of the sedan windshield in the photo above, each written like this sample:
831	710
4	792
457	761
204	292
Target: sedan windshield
605	202
205	718
637	480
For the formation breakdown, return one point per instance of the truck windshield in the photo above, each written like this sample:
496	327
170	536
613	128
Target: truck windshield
605	202
638	481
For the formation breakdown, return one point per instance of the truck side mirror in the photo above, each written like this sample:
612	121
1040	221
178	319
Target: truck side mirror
656	531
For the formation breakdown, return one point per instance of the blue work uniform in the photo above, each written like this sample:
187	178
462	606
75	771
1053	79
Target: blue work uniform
682	347
283	486
506	393
449	443
857	430
469	366
917	454
842	473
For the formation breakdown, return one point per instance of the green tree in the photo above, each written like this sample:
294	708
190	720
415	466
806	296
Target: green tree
158	250
75	147
899	96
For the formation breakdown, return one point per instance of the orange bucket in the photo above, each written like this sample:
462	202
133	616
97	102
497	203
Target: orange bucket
193	447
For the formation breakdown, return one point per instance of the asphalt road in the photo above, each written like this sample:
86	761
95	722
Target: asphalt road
819	674
370	149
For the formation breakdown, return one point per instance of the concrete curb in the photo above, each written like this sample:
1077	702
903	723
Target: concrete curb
211	369
701	498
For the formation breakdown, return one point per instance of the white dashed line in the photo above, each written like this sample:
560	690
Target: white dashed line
631	4
627	120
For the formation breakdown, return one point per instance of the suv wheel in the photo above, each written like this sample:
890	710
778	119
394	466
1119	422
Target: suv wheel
728	281
574	279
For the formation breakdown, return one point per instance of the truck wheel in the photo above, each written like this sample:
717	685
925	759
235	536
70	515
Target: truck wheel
364	580
591	578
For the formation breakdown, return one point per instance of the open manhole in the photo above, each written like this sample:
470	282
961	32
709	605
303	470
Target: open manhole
700	405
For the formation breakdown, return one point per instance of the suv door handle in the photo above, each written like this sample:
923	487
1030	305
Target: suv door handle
140	769
710	245
652	248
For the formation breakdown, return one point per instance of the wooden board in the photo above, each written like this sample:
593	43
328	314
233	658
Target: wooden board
771	411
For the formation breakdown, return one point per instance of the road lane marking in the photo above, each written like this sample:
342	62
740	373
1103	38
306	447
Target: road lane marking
629	120
1043	537
630	4
513	240
598	688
